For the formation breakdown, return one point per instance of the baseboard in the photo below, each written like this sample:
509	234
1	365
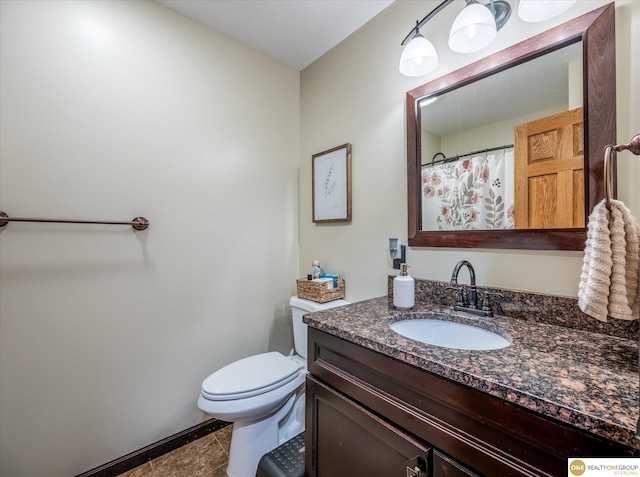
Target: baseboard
139	457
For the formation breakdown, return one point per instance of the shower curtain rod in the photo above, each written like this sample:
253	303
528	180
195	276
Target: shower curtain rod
455	158
138	223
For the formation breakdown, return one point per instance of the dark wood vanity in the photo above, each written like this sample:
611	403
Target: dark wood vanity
381	406
373	415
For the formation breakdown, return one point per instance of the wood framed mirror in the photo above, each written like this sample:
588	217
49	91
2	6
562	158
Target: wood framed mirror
592	34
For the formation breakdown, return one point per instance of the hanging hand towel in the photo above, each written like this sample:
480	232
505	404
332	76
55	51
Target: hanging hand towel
609	283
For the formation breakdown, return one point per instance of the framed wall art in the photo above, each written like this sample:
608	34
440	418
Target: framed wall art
331	185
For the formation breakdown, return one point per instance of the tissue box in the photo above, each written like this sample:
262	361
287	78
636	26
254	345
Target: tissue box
320	291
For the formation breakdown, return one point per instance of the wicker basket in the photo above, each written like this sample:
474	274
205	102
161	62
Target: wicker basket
318	291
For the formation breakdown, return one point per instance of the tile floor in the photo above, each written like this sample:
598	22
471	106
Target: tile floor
206	457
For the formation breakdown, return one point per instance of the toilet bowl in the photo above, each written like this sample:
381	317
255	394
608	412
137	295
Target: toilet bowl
263	395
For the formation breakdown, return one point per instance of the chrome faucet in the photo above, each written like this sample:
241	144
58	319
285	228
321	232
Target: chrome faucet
471	305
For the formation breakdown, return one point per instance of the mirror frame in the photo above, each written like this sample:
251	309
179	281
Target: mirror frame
596	30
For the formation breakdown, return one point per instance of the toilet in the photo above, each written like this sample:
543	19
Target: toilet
263	395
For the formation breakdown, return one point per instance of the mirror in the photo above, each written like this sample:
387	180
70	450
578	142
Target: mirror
468	148
517	202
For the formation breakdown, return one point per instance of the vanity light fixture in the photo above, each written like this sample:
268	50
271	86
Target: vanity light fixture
474	28
419	57
477	25
540	10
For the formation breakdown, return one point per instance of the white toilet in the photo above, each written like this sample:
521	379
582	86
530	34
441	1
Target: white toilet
263	395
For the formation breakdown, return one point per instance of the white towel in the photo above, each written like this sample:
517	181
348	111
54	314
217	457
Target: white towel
609	282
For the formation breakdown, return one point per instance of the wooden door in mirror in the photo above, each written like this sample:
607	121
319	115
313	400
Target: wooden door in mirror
596	32
549	172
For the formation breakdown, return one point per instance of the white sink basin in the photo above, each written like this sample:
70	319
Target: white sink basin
449	334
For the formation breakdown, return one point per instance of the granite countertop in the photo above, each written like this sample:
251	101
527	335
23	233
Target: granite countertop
586	379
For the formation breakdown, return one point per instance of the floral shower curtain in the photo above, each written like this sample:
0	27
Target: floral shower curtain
470	194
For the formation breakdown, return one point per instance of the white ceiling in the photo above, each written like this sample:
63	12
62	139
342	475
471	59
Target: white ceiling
293	32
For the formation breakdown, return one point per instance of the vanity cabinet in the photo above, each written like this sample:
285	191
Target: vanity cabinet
370	414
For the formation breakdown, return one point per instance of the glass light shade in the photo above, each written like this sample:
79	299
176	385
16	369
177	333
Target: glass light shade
541	10
473	29
419	57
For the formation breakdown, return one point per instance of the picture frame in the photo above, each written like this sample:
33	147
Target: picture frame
331	185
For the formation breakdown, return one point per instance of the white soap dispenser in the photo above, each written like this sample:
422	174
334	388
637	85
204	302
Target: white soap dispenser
404	290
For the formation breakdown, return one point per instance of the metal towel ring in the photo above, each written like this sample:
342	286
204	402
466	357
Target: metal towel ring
633	146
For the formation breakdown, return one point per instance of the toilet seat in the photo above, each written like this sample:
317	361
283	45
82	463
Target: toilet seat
250	376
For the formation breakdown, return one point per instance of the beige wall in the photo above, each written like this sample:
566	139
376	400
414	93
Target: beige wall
355	94
109	110
106	334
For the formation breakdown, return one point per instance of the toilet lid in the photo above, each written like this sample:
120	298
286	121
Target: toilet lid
250	376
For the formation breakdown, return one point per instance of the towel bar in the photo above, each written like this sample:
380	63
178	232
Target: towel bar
138	223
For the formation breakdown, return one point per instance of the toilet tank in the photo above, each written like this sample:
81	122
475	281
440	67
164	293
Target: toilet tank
300	307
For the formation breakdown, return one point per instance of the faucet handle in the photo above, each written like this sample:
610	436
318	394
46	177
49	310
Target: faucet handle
486	300
460	296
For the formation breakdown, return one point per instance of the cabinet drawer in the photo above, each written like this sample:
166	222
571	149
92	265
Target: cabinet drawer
344	439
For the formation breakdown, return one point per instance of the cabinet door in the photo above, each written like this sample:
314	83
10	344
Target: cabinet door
445	466
346	440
